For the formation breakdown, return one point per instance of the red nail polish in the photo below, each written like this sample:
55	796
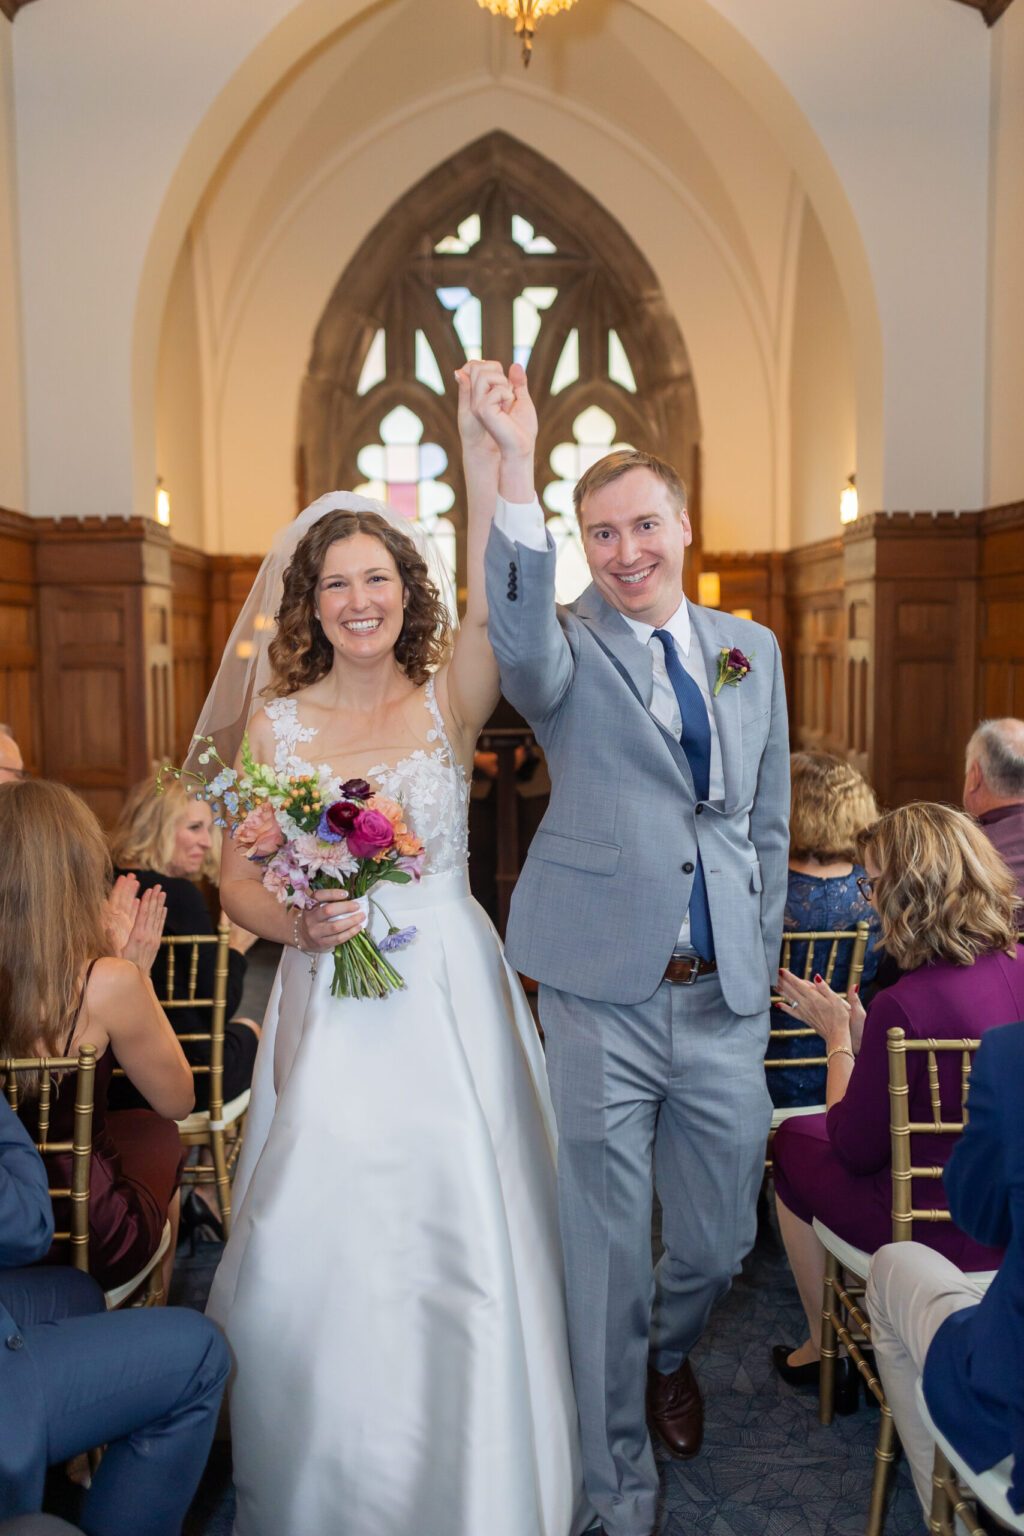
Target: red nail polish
816	976
857	988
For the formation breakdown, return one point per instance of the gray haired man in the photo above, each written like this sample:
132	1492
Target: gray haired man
994	788
650	912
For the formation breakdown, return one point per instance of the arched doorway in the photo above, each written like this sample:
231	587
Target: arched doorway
498	253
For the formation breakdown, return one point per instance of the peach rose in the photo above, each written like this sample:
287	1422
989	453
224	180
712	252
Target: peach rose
259	834
407	844
389	808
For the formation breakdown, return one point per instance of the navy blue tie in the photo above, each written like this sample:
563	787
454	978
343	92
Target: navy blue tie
695	741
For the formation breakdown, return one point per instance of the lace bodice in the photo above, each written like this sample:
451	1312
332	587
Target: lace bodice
431	786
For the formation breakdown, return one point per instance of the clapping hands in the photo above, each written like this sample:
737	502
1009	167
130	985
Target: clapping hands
134	925
838	1020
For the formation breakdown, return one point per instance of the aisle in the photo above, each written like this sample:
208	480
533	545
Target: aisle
768	1467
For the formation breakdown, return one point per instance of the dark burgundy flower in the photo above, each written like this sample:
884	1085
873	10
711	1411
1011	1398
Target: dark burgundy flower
356	789
737	661
338	819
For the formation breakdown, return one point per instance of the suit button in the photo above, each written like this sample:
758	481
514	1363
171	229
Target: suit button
698	810
15	1341
687	868
512	568
511	595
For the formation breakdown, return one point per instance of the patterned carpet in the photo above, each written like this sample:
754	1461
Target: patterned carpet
768	1467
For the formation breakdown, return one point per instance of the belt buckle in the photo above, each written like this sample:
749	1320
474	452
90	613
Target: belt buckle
695	965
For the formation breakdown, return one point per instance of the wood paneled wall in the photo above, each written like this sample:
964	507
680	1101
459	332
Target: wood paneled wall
897	636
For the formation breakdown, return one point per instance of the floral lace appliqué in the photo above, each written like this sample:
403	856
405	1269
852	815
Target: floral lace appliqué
431	786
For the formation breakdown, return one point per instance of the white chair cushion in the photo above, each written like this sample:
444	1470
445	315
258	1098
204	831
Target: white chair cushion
853	1259
199	1119
779	1116
991	1487
121	1293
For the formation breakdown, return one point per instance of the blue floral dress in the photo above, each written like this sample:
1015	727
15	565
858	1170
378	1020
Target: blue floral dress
817	904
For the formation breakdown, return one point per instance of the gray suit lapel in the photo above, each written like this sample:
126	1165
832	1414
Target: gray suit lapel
708	628
614	635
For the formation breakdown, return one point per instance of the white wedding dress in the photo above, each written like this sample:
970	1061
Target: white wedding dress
392	1288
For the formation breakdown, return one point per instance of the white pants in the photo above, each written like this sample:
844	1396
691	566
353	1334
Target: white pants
911	1291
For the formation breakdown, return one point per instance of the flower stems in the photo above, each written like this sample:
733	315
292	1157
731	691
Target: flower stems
360	970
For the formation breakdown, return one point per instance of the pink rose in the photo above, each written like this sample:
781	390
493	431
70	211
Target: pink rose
259	834
371	835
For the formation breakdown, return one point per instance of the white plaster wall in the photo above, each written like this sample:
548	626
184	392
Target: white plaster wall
179	413
898	95
823	415
12	420
120	107
1006	270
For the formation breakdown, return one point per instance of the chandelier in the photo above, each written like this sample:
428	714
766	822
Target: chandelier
525	14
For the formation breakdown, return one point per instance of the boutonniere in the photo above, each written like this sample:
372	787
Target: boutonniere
733	667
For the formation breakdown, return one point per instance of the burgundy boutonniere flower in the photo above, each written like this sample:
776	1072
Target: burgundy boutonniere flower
733	667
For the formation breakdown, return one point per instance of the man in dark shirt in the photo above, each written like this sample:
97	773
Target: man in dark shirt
994	788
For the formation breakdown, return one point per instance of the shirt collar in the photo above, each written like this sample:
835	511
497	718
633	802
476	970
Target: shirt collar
678	627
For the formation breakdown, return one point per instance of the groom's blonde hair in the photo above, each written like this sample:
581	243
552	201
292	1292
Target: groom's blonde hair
614	465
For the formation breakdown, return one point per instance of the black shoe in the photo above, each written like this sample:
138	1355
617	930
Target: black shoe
809	1375
195	1215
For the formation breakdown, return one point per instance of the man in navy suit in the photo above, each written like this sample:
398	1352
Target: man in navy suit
145	1383
927	1316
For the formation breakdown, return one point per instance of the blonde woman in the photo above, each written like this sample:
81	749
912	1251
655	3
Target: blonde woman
830	803
76	972
165	838
945	900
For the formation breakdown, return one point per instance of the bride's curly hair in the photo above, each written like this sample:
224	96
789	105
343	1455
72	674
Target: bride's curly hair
300	653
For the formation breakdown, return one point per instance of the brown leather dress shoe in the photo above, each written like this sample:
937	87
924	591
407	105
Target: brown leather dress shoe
675	1410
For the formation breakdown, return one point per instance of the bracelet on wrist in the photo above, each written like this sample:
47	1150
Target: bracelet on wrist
839	1050
312	954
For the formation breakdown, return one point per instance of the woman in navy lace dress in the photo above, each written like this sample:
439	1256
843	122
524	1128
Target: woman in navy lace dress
831	802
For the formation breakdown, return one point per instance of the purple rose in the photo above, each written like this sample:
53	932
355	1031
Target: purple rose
737	661
356	789
336	821
371	835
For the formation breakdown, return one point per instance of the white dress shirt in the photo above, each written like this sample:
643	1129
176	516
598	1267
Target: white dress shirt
523	523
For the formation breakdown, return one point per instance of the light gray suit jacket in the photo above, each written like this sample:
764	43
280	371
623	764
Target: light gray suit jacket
599	903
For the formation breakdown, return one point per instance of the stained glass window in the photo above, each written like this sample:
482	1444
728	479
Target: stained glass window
593	436
523	235
619	370
403	470
467	236
567	369
427	370
527	315
374	368
466	318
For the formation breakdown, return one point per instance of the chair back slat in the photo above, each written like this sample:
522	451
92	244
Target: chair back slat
833	937
216	1002
901	1127
43	1069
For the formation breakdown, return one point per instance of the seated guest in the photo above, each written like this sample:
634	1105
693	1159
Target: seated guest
145	1383
11	765
76	972
994	790
165	838
926	1315
830	803
945	900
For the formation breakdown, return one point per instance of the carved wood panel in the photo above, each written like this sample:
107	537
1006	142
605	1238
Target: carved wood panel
19	644
1001	612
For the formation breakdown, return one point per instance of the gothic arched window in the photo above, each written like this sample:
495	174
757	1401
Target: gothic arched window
499	254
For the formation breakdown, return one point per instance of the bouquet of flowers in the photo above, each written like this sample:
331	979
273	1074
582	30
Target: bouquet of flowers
311	833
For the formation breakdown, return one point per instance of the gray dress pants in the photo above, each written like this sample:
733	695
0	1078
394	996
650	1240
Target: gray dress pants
671	1091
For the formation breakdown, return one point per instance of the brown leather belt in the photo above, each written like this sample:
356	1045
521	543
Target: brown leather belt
683	970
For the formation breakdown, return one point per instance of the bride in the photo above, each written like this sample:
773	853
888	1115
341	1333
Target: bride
392	1286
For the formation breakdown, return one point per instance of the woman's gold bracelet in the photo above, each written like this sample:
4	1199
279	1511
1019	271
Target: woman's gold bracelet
839	1050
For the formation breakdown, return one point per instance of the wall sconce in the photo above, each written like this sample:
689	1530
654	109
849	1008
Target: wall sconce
709	589
163	504
848	501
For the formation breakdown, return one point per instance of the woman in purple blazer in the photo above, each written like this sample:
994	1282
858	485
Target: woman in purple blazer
946	902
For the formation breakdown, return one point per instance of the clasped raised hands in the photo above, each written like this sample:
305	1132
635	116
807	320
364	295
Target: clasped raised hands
496	413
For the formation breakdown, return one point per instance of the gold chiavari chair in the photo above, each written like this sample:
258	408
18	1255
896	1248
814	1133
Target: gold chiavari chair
951	1476
843	1317
858	941
207	1127
45	1071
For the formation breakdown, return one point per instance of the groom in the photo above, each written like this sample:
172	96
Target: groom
650	912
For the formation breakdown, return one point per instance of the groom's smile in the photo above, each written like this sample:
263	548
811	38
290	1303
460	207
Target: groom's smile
635	538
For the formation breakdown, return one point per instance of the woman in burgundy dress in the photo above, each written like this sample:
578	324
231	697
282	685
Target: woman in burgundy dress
75	964
946	904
